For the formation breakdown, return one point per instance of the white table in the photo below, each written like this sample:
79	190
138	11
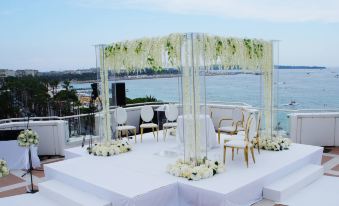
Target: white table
17	157
206	129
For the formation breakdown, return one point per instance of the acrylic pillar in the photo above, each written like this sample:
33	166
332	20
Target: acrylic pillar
104	116
193	98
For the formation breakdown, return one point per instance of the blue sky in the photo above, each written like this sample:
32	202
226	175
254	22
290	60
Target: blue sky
58	35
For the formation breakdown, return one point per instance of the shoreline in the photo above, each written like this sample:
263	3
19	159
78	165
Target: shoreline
160	76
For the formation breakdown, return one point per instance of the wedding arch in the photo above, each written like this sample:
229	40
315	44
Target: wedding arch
192	54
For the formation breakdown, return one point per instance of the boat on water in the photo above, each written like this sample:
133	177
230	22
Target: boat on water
292	103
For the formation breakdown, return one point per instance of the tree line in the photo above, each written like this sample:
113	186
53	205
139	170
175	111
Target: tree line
36	96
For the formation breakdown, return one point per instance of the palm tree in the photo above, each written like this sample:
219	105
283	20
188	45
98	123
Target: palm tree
54	85
67	85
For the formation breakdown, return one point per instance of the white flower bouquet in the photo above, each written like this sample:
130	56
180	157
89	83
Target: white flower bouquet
274	144
111	148
4	171
27	138
192	170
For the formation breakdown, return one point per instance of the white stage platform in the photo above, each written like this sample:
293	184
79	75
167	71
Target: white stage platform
139	177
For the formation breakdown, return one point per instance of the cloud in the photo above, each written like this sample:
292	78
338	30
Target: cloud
267	10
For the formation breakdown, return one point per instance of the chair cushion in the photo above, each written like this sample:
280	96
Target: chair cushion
240	128
125	127
234	137
170	124
148	125
227	129
237	143
241	133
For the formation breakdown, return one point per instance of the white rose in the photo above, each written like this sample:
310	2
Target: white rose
168	168
196	177
5	170
206	173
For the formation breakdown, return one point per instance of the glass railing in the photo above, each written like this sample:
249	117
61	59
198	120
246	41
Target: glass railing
84	124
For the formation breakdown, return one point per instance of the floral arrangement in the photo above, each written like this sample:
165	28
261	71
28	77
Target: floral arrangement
166	51
274	144
114	147
192	170
27	138
4	171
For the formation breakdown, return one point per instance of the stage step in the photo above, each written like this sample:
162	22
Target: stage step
28	199
283	188
69	196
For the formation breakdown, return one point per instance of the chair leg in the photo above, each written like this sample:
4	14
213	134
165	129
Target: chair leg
141	131
153	132
218	136
225	154
127	134
258	144
246	155
157	134
252	152
163	134
135	135
232	153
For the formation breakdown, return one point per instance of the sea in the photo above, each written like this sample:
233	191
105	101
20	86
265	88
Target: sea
295	90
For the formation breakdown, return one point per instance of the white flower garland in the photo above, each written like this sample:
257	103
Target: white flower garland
195	171
111	148
27	138
274	144
159	52
4	171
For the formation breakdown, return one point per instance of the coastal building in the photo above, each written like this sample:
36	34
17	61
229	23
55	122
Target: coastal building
86	71
6	73
26	72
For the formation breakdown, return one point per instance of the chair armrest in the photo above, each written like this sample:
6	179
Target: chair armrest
224	119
